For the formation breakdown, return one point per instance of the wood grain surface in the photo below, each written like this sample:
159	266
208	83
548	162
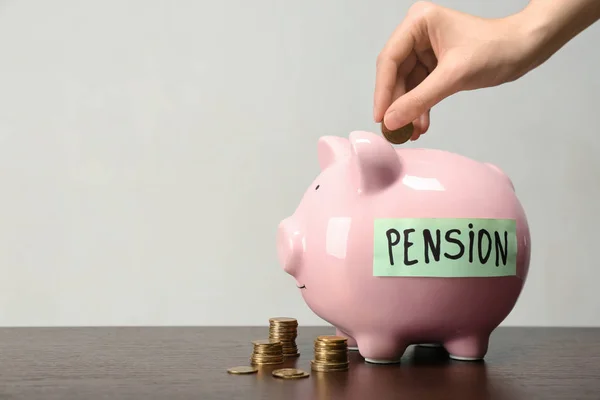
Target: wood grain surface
191	363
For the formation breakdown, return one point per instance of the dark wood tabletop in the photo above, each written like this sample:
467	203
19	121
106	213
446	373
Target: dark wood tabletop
192	363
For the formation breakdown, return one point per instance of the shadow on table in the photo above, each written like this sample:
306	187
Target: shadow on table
423	373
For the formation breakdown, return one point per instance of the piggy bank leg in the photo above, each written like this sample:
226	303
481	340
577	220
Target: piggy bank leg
468	348
351	342
381	350
429	345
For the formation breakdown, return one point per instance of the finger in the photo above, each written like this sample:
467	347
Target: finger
385	84
394	53
404	71
427	58
408	65
400	88
438	85
416	76
411	34
423	123
398	84
416	129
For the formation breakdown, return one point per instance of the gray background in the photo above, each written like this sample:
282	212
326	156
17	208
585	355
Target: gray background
148	150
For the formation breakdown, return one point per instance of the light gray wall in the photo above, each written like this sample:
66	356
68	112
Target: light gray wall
148	150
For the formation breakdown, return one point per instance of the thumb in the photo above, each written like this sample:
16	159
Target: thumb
441	83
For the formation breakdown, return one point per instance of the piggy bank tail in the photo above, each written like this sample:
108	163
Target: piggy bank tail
498	171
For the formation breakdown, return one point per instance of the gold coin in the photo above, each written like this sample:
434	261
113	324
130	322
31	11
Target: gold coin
259	357
322	367
283	320
269	355
329	361
328	354
242	370
331	342
330	347
268	349
266	342
332	339
268	358
332	350
339	350
254	362
398	136
290	373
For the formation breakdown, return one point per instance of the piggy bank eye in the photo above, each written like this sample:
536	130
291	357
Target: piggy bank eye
317	188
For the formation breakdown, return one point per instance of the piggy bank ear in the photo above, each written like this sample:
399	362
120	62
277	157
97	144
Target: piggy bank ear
375	163
331	149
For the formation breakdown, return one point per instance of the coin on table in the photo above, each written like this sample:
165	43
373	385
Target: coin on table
242	370
290	373
400	135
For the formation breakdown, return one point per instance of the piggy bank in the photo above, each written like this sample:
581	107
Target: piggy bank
395	247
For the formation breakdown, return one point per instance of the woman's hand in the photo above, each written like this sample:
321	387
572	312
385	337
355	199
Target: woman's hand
436	52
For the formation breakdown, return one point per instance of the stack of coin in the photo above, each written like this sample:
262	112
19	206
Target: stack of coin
331	354
269	351
285	330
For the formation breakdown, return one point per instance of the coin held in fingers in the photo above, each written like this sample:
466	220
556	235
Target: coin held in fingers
398	136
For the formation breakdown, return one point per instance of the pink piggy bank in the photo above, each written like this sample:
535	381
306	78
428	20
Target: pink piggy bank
396	247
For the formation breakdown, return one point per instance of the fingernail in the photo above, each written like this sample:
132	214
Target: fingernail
424	124
392	120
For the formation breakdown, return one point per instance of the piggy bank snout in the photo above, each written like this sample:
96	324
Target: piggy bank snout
289	246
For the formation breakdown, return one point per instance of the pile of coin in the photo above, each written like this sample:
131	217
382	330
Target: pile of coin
331	354
400	135
285	330
266	352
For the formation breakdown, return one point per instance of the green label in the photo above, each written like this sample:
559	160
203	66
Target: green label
445	247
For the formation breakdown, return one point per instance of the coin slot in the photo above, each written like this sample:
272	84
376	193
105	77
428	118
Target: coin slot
318	186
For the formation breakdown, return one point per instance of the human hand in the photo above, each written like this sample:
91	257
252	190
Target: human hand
436	52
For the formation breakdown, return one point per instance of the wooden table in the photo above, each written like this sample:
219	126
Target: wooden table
191	363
